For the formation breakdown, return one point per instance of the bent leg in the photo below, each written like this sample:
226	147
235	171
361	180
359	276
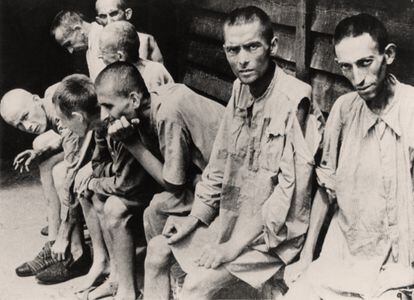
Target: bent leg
118	220
157	269
161	207
100	265
50	192
205	283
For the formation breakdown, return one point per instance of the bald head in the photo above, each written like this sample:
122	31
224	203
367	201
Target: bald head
119	41
23	110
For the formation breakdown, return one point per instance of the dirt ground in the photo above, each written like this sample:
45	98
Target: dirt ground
22	215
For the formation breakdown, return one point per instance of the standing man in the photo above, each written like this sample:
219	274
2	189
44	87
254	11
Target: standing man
251	207
366	171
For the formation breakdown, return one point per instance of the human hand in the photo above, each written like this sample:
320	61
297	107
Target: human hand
59	248
121	130
82	179
295	270
176	228
23	160
215	255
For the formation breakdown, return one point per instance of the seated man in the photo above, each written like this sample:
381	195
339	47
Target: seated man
121	188
366	170
181	124
32	114
73	33
108	11
251	207
119	41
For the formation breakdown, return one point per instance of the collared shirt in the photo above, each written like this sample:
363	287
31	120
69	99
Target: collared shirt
367	164
116	171
252	167
185	124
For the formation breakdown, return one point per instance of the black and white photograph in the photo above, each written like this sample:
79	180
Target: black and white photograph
206	149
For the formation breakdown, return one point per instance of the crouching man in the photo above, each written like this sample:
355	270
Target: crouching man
366	171
251	207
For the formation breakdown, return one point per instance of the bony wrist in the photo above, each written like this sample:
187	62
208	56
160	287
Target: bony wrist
89	185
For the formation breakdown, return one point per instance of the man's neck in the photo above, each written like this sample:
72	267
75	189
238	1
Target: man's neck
260	86
384	97
86	27
94	122
144	114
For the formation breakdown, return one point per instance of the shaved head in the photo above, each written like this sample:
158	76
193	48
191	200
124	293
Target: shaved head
119	41
23	110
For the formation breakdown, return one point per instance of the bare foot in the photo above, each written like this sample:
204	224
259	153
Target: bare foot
108	288
97	272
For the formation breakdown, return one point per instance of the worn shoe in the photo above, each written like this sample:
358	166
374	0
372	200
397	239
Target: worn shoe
43	260
45	231
65	270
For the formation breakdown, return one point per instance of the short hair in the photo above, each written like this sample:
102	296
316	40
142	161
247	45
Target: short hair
124	37
76	93
122	4
124	78
250	14
359	24
65	18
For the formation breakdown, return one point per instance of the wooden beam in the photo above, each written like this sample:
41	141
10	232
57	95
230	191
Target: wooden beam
302	40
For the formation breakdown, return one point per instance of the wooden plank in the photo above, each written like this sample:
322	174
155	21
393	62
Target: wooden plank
208	55
323	55
280	11
208	83
326	88
302	40
327	16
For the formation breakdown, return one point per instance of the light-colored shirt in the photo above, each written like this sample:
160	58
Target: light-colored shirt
367	167
71	142
253	169
154	74
186	124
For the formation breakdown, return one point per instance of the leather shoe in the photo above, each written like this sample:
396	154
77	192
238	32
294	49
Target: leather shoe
24	270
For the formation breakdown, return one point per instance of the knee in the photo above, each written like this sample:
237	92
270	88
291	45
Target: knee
197	287
115	212
158	253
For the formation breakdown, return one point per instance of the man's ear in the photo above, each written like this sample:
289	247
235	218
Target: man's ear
77	27
128	13
136	98
390	52
121	55
77	116
273	46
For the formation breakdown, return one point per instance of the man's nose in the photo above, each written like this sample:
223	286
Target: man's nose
104	114
243	58
358	76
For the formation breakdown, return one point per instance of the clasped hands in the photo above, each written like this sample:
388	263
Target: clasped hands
122	130
212	255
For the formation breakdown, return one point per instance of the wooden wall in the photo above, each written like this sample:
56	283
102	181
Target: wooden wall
304	29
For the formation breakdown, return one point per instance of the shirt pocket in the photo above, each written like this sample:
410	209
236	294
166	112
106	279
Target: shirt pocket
272	145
